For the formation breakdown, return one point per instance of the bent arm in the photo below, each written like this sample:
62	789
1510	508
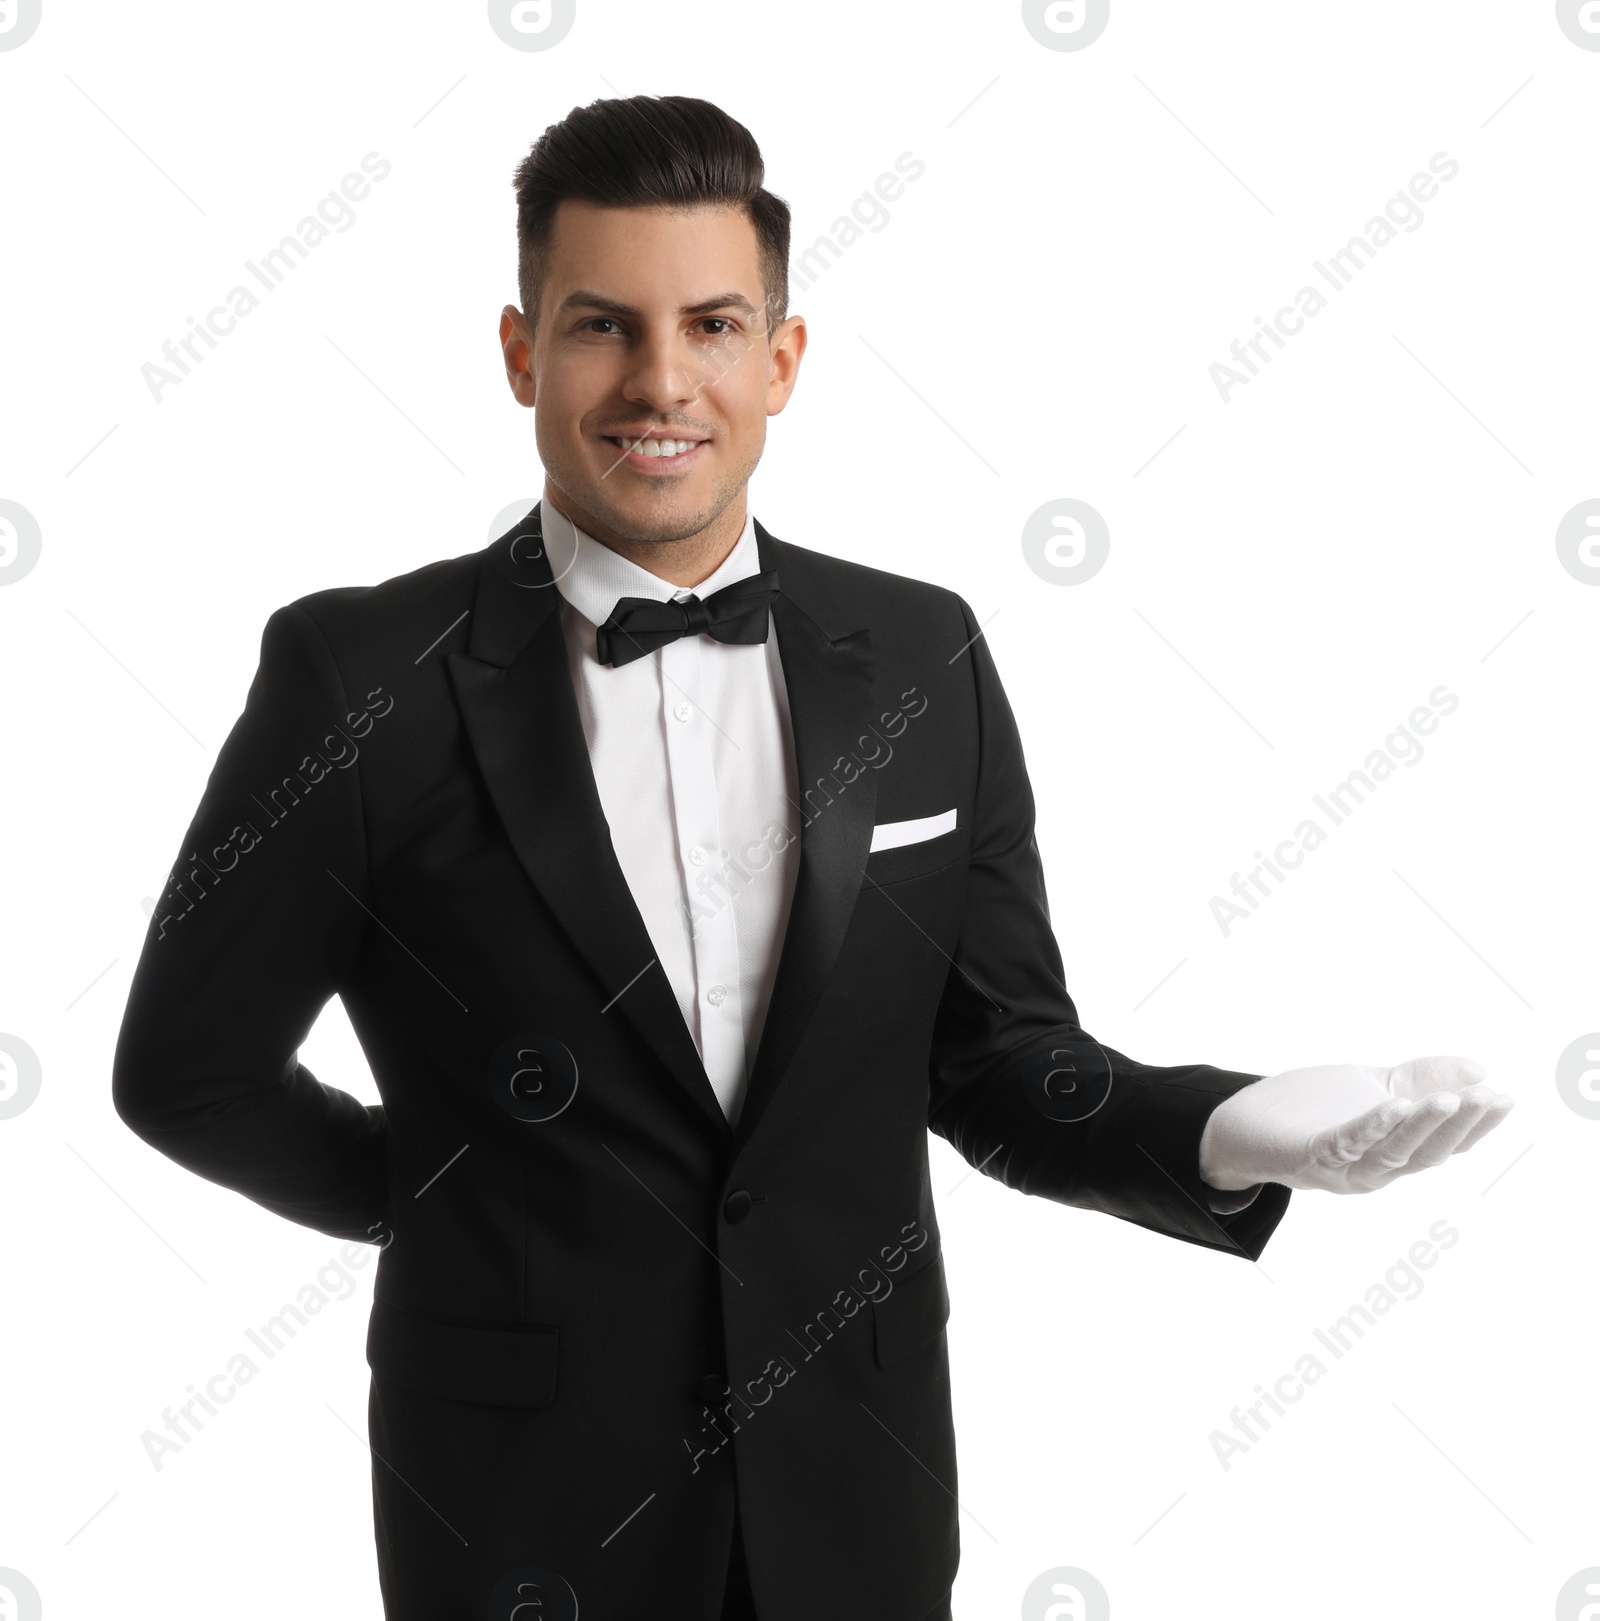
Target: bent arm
255	931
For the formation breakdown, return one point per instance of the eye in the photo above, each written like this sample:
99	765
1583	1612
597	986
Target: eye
722	322
596	321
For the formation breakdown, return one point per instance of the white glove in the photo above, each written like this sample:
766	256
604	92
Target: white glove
1348	1128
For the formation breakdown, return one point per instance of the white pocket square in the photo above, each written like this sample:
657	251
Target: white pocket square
891	835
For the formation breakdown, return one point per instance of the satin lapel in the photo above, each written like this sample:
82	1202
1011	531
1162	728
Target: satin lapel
830	685
515	695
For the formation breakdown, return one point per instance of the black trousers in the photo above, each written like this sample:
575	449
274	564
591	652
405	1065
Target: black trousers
738	1605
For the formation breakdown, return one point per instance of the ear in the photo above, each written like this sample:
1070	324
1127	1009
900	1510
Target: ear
788	346
516	344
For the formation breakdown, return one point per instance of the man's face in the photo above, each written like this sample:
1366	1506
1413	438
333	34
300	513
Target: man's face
652	325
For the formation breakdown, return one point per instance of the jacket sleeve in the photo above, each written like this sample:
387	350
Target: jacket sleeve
255	931
1018	1087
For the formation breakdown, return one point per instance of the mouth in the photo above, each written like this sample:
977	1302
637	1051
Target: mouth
652	455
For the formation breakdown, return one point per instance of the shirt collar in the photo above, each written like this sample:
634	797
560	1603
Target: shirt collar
591	577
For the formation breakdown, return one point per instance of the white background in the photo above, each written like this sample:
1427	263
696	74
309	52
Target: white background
1289	577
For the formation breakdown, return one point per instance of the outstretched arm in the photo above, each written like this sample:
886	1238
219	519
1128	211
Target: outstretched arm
1016	1084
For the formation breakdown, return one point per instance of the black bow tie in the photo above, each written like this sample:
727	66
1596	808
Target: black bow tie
736	613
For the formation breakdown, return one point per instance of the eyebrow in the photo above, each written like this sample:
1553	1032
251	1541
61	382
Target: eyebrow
583	298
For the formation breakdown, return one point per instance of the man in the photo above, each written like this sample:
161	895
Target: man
676	880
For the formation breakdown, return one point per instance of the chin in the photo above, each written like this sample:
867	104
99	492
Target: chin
653	515
642	507
658	522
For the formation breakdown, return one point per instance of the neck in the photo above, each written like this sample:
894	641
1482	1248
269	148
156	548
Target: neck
683	562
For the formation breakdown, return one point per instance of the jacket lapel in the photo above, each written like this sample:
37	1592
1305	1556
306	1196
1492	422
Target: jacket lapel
829	676
515	695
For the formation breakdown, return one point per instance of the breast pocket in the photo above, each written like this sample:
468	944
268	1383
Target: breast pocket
915	846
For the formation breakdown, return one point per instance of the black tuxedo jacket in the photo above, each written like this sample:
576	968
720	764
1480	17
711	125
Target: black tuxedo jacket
600	1311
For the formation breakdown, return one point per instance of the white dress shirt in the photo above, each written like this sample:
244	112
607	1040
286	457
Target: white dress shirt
693	758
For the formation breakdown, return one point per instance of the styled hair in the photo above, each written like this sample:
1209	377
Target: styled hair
648	151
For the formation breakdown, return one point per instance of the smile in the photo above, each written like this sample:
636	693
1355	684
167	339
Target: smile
656	455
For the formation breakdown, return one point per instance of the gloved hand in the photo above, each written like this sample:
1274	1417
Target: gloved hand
1348	1128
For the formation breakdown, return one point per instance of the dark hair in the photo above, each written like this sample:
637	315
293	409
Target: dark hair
648	151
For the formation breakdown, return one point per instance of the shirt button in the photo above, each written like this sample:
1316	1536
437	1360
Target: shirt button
717	995
697	856
683	709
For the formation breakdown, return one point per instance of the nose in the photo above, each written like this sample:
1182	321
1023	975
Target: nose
666	373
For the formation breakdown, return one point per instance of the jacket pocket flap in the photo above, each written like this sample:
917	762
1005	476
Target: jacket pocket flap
912	1315
495	1364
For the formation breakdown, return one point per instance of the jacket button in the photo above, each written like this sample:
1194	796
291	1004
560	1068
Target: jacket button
737	1205
712	1387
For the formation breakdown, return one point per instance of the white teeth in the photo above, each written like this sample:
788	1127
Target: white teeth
663	447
